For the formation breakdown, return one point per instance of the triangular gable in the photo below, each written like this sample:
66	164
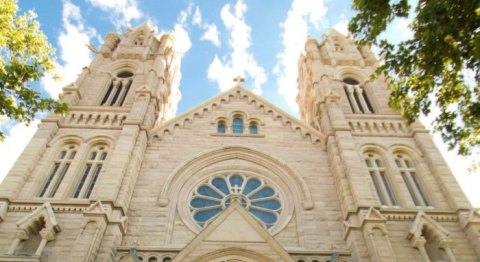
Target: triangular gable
257	101
373	215
44	211
234	228
422	220
96	207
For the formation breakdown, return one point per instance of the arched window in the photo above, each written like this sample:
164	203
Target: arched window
91	170
357	98
118	89
253	129
221	127
379	179
58	170
237	125
139	40
409	175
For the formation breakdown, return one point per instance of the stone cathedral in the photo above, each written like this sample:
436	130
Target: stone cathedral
236	179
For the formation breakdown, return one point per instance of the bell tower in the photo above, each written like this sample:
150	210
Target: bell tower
90	158
379	163
137	62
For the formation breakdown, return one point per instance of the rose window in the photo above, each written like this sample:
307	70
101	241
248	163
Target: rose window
260	199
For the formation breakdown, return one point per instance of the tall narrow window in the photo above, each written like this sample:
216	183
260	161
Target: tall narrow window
409	175
221	127
118	89
253	129
58	171
237	125
357	98
379	179
91	171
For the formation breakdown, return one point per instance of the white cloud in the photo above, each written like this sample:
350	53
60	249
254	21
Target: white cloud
74	53
342	27
122	11
211	34
240	61
13	145
182	39
302	15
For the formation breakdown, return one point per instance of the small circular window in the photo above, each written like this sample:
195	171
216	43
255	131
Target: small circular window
211	197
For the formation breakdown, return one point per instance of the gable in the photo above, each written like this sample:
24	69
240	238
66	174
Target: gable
249	101
235	229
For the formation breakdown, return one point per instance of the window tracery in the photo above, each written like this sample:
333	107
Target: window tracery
118	89
379	178
357	98
91	171
211	197
58	170
409	175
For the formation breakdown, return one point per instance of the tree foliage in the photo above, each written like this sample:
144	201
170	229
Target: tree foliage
438	66
25	56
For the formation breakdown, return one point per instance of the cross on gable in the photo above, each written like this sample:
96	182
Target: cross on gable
239	79
236	189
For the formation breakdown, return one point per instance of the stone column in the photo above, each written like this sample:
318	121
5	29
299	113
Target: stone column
47	235
110	181
419	243
20	235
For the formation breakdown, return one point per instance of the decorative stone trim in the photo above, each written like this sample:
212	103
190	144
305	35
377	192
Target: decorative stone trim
238	93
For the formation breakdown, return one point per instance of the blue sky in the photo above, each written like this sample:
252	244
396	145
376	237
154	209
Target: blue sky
260	40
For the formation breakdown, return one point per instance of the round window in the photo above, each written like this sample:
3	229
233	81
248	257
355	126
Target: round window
211	197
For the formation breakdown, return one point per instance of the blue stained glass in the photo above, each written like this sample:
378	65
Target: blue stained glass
221	185
272	204
236	180
205	215
253	129
221	128
200	202
237	126
260	201
252	184
207	191
264	192
266	217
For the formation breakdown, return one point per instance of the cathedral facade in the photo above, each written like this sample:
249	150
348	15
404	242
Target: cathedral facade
119	178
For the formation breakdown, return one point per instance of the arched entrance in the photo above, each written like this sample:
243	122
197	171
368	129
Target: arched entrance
233	255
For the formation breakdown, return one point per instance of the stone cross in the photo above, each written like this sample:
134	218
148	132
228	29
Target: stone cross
238	80
236	189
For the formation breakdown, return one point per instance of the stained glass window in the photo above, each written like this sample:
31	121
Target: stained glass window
237	126
58	171
409	175
221	128
211	197
253	128
91	171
